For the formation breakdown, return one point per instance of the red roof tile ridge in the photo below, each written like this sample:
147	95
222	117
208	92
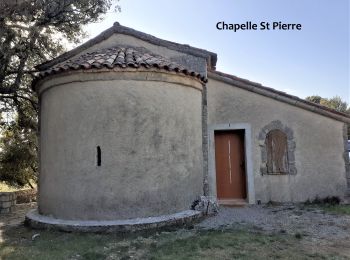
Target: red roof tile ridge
122	56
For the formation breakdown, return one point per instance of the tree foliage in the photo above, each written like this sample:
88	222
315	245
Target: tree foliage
314	99
335	103
19	155
32	32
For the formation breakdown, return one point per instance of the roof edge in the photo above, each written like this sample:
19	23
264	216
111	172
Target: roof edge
279	95
211	57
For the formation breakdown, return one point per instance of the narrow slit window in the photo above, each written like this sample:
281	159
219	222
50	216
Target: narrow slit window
98	155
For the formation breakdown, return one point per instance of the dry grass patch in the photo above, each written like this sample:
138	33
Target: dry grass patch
7	188
233	243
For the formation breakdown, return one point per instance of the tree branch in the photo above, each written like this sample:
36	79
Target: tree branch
14	97
7	90
24	71
17	26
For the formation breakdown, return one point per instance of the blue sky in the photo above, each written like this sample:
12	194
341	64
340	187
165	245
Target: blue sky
312	61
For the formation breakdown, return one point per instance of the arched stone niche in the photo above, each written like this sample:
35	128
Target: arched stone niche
277	125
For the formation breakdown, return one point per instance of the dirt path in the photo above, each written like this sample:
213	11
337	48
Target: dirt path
17	216
319	229
14	218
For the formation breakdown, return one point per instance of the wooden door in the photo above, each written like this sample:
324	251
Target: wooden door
230	165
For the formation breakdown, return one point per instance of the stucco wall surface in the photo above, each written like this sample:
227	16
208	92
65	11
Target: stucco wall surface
319	143
151	143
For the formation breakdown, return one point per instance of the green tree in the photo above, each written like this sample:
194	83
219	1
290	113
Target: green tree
314	99
335	103
18	156
32	32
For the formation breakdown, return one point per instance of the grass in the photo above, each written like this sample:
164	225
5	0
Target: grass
330	205
234	243
336	209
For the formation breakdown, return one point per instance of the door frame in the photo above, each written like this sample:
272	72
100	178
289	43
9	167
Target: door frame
248	157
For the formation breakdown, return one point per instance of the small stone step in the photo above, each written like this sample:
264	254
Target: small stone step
233	202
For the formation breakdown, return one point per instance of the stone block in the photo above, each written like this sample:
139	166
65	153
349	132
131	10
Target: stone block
6	204
4	211
4	197
206	204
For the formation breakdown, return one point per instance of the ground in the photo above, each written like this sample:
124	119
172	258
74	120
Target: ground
255	232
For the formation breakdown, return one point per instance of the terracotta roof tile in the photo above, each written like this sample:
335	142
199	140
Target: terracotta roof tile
210	57
122	57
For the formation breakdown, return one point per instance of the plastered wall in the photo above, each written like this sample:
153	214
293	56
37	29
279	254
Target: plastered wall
149	133
319	144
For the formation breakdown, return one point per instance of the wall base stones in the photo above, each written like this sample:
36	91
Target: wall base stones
206	204
7	202
181	219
